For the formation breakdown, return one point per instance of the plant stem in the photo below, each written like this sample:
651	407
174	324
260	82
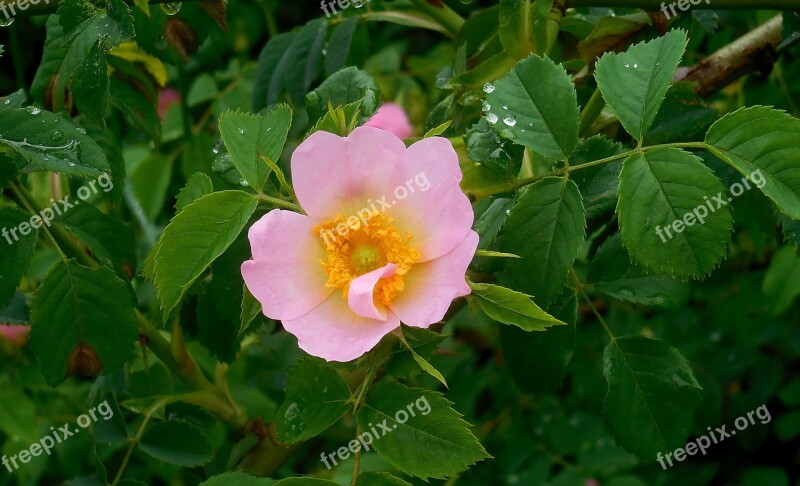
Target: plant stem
62	241
442	14
279	203
580	288
591	111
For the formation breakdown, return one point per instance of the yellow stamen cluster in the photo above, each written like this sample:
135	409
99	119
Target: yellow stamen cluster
355	247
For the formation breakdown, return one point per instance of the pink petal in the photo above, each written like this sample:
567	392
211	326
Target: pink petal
427	200
15	334
285	274
360	296
334	175
431	287
333	332
393	119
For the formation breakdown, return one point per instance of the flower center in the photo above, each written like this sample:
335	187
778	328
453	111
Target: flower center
355	247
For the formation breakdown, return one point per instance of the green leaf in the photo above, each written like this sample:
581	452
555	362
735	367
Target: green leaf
136	107
683	116
660	192
17	415
305	482
344	88
90	88
316	398
150	179
782	281
516	29
339	45
237	478
429	368
613	273
652	395
82	322
418	432
49	142
64	52
436	131
546	229
762	141
374	478
248	137
483	145
598	185
611	33
510	307
16	250
111	241
635	82
194	239
251	308
537	361
177	442
219	304
197	186
289	63
535	105
424	343
271	55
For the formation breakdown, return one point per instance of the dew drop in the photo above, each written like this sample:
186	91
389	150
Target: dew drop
33	110
486	106
81	131
510	120
491	118
171	8
241	131
627	65
217	146
488	88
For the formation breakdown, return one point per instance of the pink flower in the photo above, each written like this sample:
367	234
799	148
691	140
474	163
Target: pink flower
393	119
166	98
386	238
16	335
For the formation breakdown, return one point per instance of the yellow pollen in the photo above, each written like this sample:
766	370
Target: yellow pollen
355	247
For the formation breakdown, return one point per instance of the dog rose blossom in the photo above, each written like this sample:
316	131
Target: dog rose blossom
393	119
386	239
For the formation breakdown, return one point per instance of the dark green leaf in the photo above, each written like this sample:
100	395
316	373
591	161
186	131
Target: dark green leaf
546	229
535	105
652	395
316	398
177	443
82	322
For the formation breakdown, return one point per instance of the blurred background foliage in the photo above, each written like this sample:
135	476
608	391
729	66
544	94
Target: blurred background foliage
738	328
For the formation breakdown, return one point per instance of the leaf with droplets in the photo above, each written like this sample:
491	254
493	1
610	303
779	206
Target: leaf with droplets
316	398
50	142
